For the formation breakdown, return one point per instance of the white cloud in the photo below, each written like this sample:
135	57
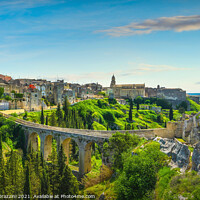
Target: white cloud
142	68
21	4
176	23
131	69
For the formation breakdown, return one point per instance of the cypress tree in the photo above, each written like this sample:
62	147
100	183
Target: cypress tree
130	111
52	120
1	152
54	170
27	184
59	115
107	127
42	116
61	160
47	120
3	177
66	108
45	182
171	114
68	184
15	173
138	106
4	189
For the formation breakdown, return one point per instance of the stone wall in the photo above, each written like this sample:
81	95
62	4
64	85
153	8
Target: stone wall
191	129
171	94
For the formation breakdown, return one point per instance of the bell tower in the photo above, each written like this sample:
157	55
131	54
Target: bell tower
113	82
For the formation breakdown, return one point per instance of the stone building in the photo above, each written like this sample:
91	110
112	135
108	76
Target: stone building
58	91
33	99
175	96
6	86
70	94
127	90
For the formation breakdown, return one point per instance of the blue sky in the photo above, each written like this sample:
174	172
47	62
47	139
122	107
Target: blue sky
140	41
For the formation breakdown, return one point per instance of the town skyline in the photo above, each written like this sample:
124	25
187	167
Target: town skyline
88	41
89	82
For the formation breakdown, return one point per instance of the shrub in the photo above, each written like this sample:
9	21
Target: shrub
120	143
137	179
97	126
109	116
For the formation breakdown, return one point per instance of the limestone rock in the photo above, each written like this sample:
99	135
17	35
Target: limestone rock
166	146
181	155
196	158
179	152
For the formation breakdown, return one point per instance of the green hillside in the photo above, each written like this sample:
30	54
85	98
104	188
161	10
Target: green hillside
105	114
112	115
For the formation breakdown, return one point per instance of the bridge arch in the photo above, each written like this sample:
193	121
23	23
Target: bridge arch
35	141
71	151
66	148
47	146
89	151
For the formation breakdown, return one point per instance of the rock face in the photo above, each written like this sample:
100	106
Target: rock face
196	158
179	152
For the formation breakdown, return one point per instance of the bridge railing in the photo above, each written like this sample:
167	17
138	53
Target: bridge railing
59	129
94	133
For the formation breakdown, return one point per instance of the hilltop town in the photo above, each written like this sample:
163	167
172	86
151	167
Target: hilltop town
32	94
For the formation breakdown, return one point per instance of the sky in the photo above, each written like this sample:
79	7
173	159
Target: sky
156	42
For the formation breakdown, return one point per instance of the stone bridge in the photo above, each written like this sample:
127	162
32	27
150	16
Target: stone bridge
40	137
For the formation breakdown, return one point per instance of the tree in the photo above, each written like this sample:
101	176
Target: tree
159	118
27	184
3	178
25	115
15	173
59	115
47	120
120	143
130	111
147	101
45	180
163	103
181	110
68	183
137	178
1	91
42	116
138	101
66	108
1	152
183	104
61	160
171	114
54	169
52	120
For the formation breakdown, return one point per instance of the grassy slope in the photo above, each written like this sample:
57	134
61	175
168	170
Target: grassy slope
194	105
115	116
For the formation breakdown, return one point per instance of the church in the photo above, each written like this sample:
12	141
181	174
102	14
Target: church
126	90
